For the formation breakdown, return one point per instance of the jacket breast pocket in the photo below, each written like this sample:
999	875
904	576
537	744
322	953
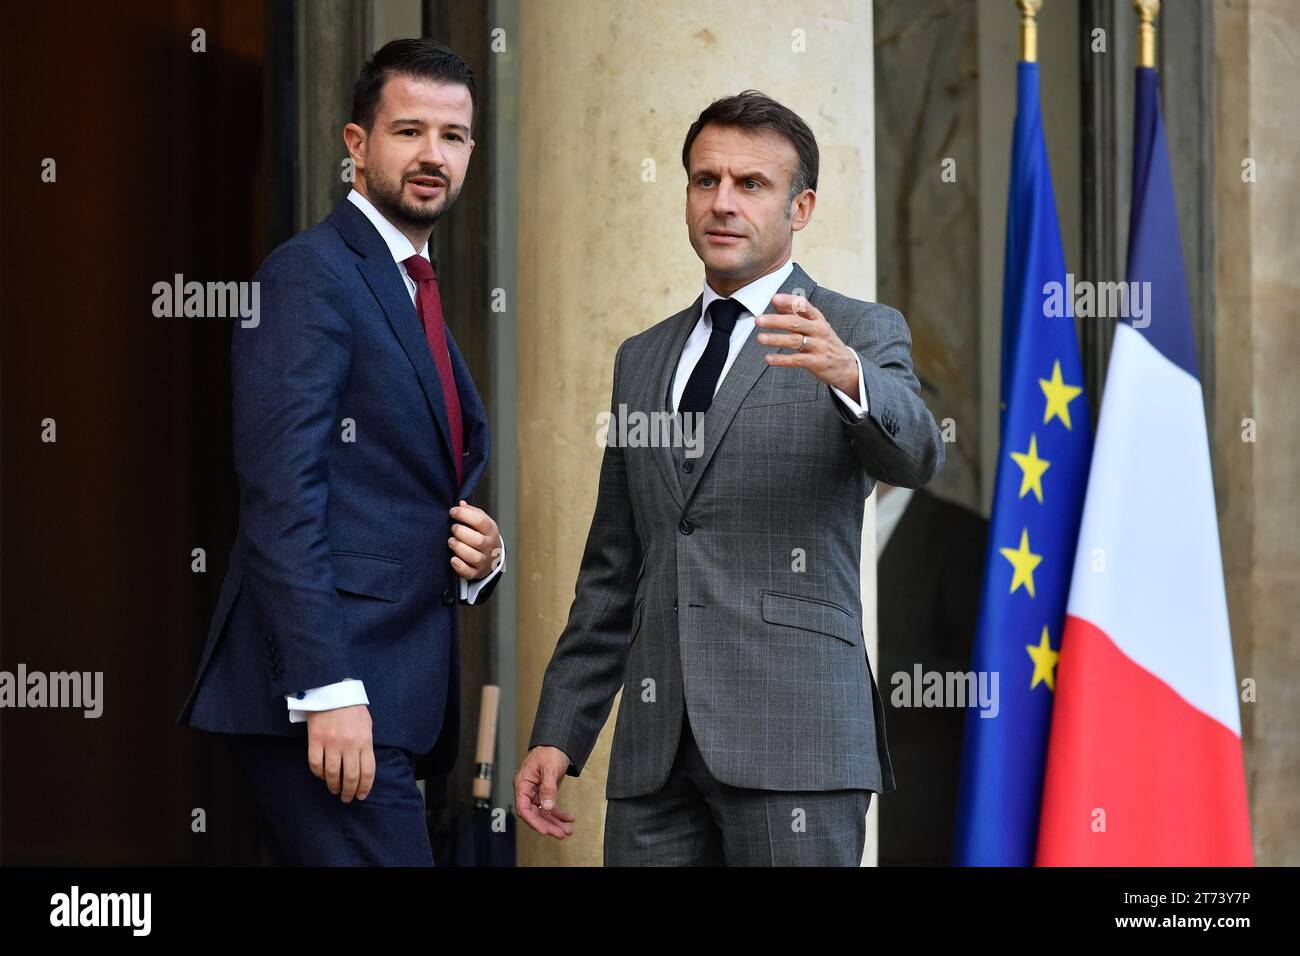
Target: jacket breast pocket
370	575
782	386
810	614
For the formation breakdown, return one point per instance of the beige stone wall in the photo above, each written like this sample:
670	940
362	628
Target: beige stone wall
1257	343
605	87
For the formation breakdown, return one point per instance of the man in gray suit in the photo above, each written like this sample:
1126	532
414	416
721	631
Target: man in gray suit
719	586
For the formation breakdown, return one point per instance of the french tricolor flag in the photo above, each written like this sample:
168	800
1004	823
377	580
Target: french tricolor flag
1144	764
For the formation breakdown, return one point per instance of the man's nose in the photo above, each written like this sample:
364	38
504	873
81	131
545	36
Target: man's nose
431	153
724	199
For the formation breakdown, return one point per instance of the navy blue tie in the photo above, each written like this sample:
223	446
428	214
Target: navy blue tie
698	394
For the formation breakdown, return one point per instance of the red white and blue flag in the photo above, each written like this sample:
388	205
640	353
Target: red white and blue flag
1144	764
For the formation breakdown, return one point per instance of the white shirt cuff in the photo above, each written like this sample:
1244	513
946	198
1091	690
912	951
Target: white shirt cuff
469	590
345	693
858	408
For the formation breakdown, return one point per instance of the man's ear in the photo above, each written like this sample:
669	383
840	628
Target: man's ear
803	209
354	138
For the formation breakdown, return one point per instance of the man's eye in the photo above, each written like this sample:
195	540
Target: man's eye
411	131
752	182
454	137
704	181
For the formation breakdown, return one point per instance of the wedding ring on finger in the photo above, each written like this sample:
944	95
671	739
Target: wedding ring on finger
804	344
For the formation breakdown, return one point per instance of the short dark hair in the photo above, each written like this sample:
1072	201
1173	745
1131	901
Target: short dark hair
752	110
420	57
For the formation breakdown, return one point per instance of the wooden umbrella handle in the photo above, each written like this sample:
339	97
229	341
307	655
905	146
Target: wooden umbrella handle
485	751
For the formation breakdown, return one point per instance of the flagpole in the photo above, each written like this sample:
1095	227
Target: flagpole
1029	29
1147	11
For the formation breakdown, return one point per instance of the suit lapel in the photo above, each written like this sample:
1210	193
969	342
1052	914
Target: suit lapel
660	382
740	378
474	419
385	280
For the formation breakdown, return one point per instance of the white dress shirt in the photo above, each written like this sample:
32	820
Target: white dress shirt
754	298
346	693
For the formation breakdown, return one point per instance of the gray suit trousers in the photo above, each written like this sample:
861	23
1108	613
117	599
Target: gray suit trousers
694	820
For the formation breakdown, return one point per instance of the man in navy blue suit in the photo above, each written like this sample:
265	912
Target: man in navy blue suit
332	661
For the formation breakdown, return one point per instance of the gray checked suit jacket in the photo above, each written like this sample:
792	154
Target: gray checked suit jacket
726	584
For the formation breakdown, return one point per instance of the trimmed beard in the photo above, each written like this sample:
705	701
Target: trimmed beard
391	201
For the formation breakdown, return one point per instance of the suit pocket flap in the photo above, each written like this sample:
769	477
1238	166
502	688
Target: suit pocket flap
368	574
810	614
786	389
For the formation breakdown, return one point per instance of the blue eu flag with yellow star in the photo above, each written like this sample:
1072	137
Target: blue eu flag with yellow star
1042	472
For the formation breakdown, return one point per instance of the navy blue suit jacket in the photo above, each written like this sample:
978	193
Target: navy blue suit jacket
341	567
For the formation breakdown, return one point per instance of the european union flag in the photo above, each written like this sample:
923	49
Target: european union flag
1046	441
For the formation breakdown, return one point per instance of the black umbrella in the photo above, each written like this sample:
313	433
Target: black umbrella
483	835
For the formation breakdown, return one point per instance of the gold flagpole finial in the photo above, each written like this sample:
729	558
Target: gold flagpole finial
1147	10
1029	29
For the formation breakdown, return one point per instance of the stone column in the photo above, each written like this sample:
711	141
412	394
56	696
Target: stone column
332	40
607	92
1257	394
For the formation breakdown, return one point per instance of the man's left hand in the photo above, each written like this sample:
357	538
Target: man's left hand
475	542
800	325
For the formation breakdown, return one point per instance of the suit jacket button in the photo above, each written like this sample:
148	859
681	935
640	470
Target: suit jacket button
448	598
685	526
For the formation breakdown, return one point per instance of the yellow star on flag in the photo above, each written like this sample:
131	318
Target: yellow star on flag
1059	395
1044	662
1032	468
1023	561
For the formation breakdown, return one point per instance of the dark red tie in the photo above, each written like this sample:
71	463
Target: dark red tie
429	304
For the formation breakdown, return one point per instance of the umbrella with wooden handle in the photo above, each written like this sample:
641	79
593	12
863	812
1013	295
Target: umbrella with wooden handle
483	835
